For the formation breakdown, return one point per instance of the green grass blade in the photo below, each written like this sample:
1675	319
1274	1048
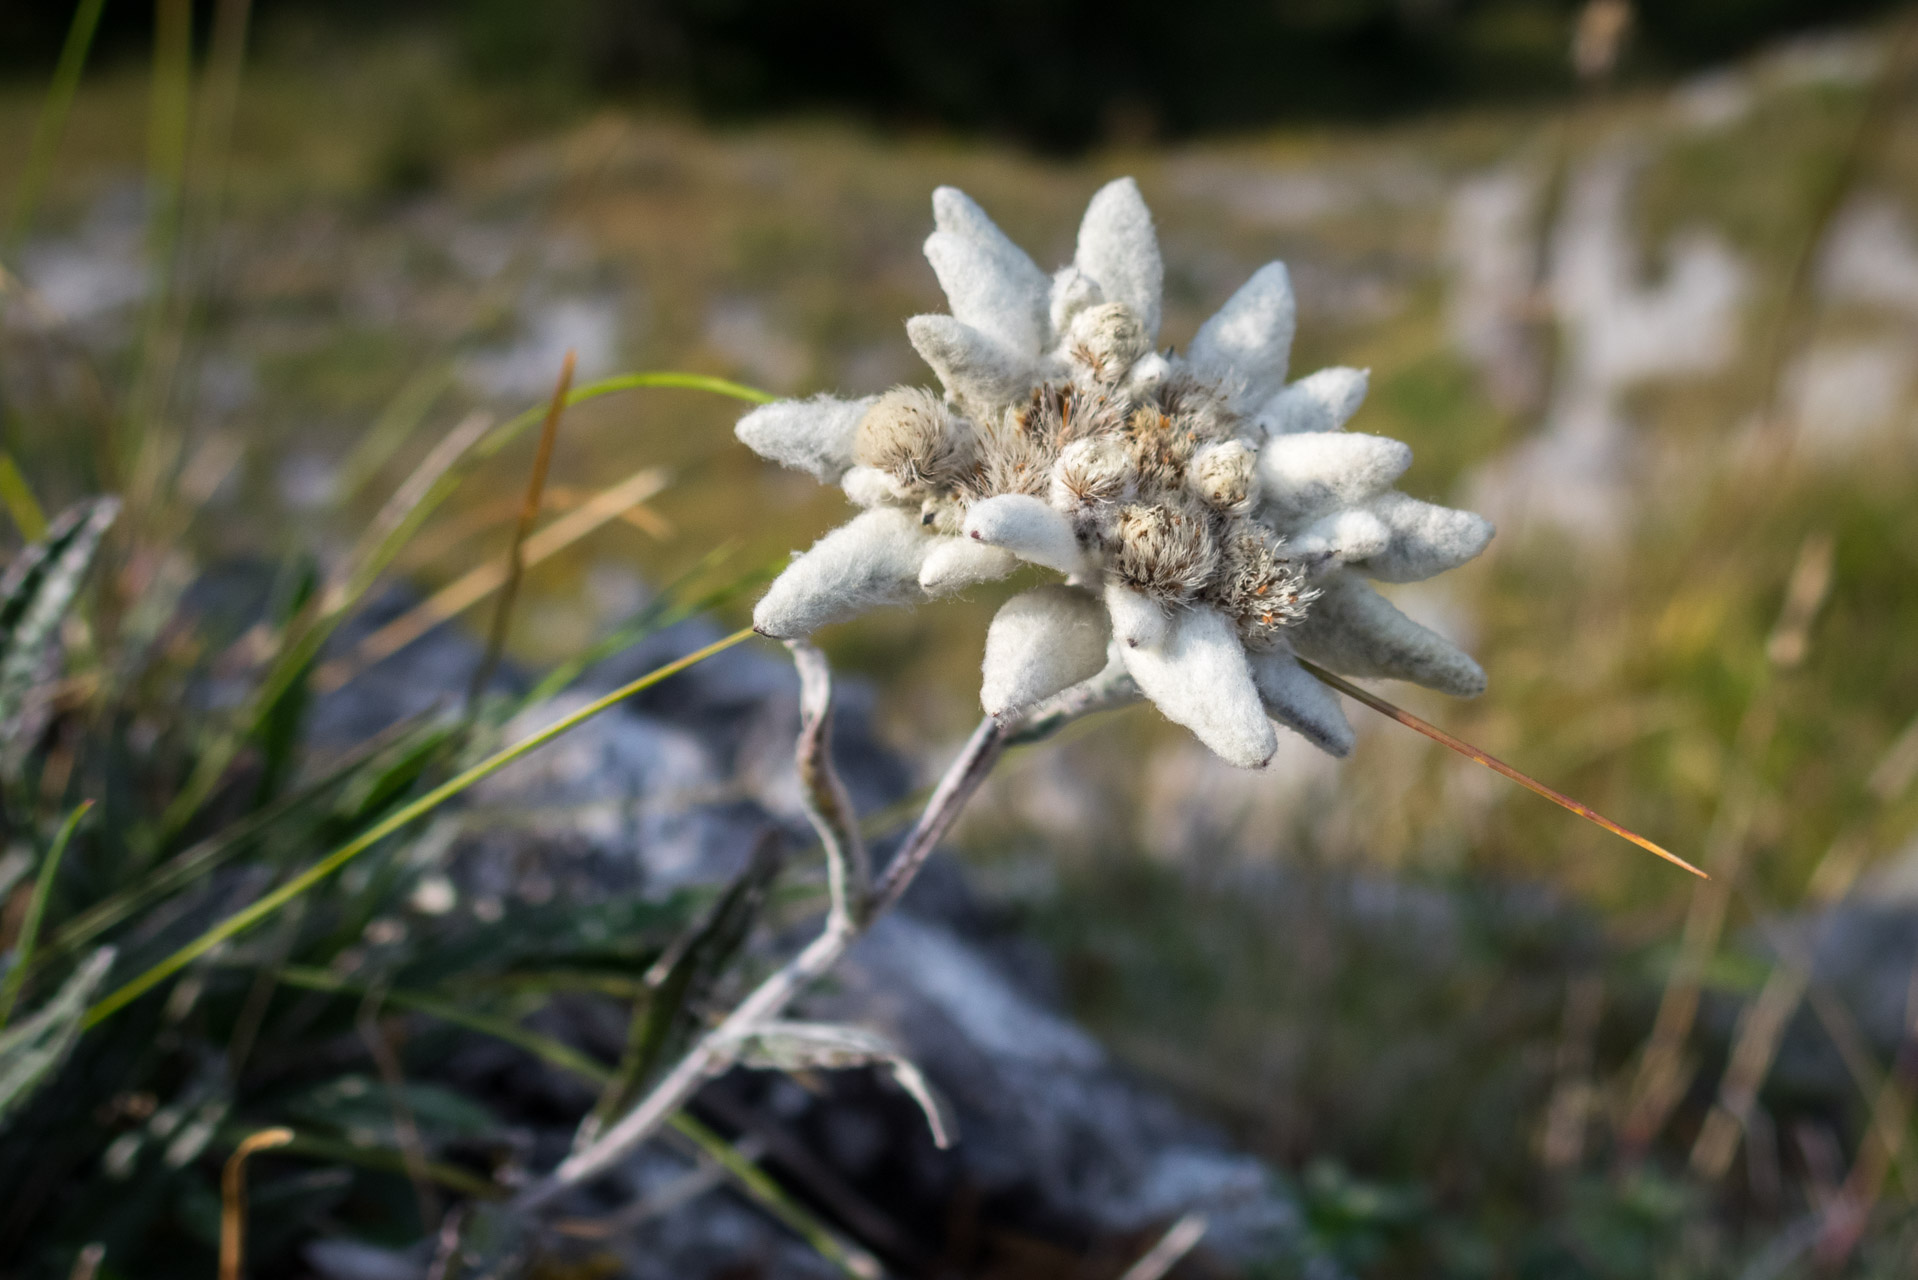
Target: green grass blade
556	1052
245	919
397	422
52	122
36	911
753	1180
36	591
31	1052
204	856
17	496
305	643
672	605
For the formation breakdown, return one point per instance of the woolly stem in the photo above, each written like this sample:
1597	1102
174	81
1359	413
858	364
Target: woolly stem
714	1051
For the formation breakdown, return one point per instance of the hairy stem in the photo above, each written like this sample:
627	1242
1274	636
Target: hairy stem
714	1051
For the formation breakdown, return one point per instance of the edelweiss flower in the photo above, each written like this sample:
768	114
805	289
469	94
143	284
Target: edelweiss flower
1212	522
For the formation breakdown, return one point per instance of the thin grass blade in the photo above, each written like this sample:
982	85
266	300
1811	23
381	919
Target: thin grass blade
516	555
36	912
245	919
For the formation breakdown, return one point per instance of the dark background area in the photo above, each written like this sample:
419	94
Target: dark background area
1053	74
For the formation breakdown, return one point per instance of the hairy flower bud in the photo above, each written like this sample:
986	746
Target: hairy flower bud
1225	476
909	434
1164	550
1107	339
1091	473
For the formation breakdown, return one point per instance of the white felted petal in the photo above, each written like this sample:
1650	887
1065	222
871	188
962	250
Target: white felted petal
1248	343
1138	621
1313	472
871	487
871	560
1355	631
1344	536
1072	292
977	371
1199	678
813	435
1323	401
1426	539
1028	528
957	563
1042	641
990	281
1118	248
1299	702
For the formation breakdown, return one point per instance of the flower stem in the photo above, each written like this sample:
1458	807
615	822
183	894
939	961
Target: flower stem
714	1051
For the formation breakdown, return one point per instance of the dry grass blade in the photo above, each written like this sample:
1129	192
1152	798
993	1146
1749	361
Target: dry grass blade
1493	763
516	554
465	592
233	1198
1173	1245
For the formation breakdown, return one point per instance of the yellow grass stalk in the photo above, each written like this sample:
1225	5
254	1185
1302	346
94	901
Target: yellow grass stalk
457	597
233	1198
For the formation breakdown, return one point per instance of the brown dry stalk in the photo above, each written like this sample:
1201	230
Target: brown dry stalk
455	531
463	593
516	554
233	1198
1493	763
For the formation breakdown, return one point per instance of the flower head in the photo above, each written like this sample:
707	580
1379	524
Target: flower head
1212	521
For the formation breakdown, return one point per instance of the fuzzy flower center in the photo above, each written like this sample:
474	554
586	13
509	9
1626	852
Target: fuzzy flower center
1146	463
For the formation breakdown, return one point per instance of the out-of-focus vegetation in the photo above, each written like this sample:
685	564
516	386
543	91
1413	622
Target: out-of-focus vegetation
405	233
1058	74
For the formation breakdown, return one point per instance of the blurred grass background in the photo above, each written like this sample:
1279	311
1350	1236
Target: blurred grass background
1660	323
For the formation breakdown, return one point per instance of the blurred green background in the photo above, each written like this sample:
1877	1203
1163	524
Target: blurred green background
1659	319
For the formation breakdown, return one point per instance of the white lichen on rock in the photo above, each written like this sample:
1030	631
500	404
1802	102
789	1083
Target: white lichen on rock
1211	520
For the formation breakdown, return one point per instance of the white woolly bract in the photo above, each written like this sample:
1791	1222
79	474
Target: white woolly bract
994	287
1248	343
871	560
1199	678
871	487
1072	292
1323	401
1138	621
1424	539
1355	631
1305	475
1197	503
1119	249
1028	528
976	371
954	564
813	435
1040	642
1295	699
1344	536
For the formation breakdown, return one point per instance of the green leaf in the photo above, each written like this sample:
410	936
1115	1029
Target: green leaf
36	591
32	1052
36	911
